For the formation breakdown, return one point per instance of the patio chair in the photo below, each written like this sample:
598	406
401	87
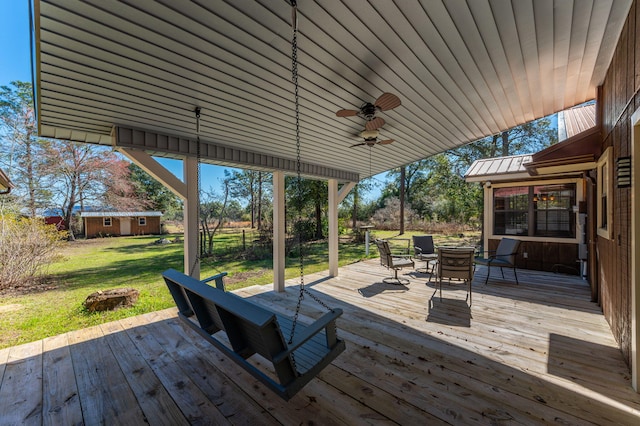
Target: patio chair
392	261
423	249
456	263
503	257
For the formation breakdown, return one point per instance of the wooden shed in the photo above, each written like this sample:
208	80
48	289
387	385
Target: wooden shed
103	224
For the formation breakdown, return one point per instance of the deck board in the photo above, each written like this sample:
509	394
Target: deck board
61	404
534	353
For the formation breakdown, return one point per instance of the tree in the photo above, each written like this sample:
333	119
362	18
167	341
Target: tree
253	186
80	173
524	139
309	198
212	214
160	198
356	201
21	153
415	176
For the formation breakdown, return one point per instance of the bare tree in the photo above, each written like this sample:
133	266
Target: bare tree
212	215
21	150
80	173
252	186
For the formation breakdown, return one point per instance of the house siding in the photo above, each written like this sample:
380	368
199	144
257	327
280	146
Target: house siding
619	98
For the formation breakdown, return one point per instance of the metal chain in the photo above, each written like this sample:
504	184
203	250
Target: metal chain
294	77
198	179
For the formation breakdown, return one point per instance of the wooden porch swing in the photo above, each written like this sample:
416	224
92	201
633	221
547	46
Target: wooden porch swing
251	329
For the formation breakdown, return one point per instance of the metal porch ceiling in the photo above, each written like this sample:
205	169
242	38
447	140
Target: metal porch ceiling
463	70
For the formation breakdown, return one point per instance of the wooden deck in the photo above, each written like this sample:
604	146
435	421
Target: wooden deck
535	353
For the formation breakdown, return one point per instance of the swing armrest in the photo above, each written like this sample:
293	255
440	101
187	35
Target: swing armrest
218	280
310	331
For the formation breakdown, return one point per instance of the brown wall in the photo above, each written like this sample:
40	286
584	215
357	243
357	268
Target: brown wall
619	99
94	228
546	256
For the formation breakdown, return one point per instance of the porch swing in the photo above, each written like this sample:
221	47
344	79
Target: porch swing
252	329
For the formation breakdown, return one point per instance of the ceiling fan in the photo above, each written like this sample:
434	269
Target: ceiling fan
371	139
368	110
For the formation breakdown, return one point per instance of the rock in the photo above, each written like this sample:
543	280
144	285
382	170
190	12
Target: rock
109	300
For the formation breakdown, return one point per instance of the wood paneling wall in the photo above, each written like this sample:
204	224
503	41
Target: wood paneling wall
546	256
620	98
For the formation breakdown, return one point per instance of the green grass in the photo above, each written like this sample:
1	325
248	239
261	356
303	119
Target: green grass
87	266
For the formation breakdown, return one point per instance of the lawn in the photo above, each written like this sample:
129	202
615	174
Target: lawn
86	266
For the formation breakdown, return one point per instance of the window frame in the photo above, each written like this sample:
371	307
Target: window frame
105	220
142	221
604	188
489	207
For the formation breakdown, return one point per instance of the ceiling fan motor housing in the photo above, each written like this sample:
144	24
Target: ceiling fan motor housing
368	111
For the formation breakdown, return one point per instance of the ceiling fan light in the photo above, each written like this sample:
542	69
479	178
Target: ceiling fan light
369	134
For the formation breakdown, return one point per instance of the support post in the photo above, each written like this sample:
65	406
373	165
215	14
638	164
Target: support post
635	252
278	231
488	216
366	242
333	227
191	218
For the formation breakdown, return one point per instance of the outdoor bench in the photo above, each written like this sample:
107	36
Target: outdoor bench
251	329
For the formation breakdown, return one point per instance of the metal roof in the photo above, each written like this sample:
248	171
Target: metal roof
463	70
120	214
576	120
5	183
500	168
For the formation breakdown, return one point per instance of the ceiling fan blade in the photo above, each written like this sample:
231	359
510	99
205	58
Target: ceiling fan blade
387	142
387	101
358	144
347	113
374	124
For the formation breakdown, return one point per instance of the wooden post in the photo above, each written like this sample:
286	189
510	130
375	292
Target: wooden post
403	171
244	241
278	231
635	252
191	216
333	227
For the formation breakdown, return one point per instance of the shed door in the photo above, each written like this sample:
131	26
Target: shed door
125	226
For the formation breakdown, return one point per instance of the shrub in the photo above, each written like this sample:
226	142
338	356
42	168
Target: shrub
26	246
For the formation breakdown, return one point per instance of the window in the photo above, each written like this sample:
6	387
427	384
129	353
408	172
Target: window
604	190
142	221
106	221
535	210
511	210
553	208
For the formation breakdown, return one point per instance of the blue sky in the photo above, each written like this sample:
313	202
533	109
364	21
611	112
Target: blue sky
15	65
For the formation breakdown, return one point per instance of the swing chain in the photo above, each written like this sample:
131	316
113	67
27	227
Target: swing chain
294	78
198	178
